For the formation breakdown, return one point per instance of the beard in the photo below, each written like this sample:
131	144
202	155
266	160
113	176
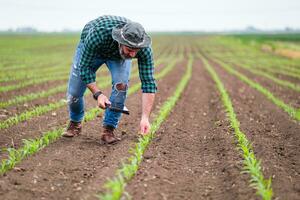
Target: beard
123	56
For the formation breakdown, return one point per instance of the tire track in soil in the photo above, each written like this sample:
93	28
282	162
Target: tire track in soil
193	155
77	168
274	135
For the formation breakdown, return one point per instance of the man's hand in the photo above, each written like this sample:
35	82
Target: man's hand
147	102
145	126
103	101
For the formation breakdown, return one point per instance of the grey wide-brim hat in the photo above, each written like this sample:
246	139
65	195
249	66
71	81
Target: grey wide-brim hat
132	35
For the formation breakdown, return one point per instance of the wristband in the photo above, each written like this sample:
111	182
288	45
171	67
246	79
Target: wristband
96	95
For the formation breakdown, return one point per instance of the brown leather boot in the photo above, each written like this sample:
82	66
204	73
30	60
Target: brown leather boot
74	129
108	135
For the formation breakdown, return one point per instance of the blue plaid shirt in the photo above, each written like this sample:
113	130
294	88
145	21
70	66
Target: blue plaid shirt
98	42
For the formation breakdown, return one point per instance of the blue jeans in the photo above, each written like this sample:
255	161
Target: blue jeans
120	72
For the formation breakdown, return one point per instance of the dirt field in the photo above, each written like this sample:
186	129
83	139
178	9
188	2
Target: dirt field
194	153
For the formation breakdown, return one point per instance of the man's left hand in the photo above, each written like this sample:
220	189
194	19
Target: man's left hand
145	126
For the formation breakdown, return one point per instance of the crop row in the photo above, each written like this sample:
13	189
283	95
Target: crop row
51	77
260	72
41	66
36	73
293	112
21	75
32	146
232	49
260	64
252	166
51	91
37	111
281	82
32	82
115	187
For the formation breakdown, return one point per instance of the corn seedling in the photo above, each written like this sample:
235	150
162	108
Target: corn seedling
115	187
251	165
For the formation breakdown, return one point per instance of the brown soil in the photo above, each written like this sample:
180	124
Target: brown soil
294	80
77	168
4	96
289	96
193	155
34	127
274	135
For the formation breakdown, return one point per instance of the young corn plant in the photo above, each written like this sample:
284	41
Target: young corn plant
29	147
43	109
31	82
42	94
115	187
32	146
283	83
294	113
30	114
251	165
37	111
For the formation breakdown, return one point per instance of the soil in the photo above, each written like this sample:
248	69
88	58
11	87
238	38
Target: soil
77	168
34	127
273	133
289	96
193	155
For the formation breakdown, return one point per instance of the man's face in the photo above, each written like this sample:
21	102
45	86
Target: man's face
127	52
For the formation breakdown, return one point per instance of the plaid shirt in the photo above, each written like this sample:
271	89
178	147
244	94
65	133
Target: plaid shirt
98	42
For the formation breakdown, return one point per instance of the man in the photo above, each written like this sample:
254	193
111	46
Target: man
114	41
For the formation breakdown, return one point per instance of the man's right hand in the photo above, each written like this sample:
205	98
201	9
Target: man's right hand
103	101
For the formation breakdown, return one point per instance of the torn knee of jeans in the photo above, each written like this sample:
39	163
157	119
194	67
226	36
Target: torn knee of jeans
72	99
121	86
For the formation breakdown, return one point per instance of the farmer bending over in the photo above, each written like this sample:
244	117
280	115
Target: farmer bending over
114	41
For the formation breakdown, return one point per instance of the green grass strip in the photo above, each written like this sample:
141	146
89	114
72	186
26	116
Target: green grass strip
294	113
116	186
31	146
251	165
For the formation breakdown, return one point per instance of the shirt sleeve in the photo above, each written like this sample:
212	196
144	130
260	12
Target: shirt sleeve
146	70
88	53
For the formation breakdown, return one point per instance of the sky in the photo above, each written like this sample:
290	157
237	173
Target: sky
154	15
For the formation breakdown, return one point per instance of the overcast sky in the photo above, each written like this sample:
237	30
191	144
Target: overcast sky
154	15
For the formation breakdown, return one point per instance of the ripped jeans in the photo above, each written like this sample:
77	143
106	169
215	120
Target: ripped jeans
120	73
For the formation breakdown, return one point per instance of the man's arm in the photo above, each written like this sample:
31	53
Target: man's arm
149	88
88	76
147	103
